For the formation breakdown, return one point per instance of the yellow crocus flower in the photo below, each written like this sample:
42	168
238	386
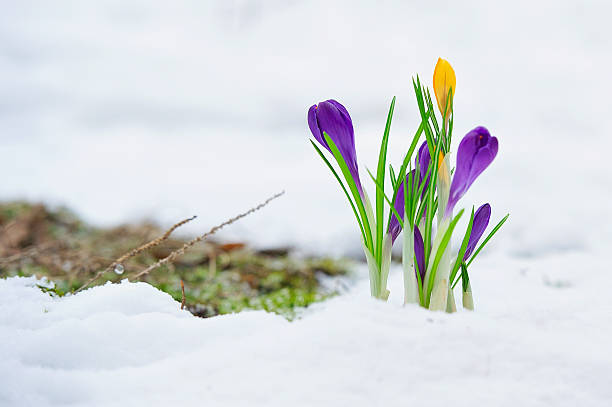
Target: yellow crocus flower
444	82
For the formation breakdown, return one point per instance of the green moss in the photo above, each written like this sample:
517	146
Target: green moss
217	280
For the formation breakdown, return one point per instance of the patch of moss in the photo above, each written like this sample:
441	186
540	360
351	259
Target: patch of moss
218	278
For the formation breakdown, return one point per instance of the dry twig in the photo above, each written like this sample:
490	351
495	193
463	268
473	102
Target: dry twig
198	239
183	293
136	251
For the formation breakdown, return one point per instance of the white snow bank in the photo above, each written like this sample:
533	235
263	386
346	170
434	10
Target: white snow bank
540	337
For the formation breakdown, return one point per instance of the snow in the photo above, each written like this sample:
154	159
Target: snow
539	337
165	110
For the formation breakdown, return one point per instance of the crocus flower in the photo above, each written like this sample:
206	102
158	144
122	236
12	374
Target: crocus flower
444	82
333	118
423	161
481	221
476	151
394	226
419	252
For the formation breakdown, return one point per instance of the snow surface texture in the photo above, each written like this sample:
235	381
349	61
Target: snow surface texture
540	337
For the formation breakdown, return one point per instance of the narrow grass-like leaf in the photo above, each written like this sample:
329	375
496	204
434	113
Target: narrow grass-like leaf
489	236
353	187
393	211
430	206
449	105
465	279
418	90
419	281
430	105
407	160
411	199
429	132
393	177
380	180
422	186
419	95
333	170
422	209
450	128
443	243
464	244
408	194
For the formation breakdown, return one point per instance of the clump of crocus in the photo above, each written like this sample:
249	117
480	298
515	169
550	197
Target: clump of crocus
424	196
331	126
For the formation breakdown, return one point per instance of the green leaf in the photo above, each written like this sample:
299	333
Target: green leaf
408	194
430	105
419	282
407	160
380	180
393	177
430	199
419	95
393	211
489	236
449	105
343	188
353	187
464	243
418	90
450	127
443	243
465	279
422	186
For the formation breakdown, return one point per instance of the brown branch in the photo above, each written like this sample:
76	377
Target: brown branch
198	239
136	251
151	244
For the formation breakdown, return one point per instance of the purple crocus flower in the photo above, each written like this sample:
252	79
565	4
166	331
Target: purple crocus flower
481	221
476	151
419	252
394	226
424	160
333	118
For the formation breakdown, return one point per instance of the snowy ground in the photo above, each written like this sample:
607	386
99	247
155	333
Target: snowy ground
540	337
130	109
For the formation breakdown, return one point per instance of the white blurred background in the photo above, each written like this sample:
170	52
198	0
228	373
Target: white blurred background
161	110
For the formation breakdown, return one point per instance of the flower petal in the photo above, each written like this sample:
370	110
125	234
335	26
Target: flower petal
482	159
481	221
394	226
419	252
475	153
333	118
444	82
314	126
423	159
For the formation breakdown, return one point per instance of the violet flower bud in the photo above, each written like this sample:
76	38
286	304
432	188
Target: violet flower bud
476	151
333	118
